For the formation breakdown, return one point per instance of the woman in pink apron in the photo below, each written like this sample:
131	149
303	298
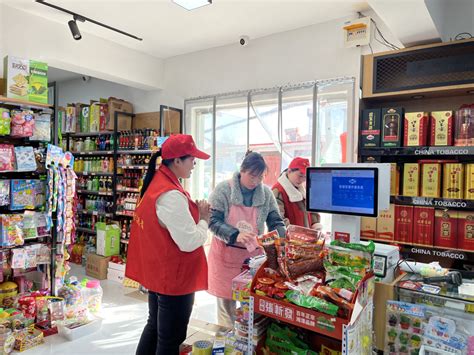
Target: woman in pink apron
240	210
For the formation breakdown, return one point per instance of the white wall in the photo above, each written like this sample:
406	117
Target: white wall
452	17
309	53
76	90
30	36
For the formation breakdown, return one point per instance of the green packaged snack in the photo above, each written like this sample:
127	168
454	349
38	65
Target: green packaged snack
369	248
38	88
349	257
312	303
5	121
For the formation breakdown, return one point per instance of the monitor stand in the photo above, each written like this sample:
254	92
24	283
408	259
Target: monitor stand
345	228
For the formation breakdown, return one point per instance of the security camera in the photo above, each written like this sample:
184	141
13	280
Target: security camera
85	78
244	41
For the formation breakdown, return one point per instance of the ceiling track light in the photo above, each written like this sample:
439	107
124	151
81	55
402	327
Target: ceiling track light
76	17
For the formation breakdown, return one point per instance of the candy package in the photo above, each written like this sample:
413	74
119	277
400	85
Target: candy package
30	230
25	159
298	235
5	121
4	192
42	131
7	157
23	123
359	258
267	241
405	327
312	303
11	229
27	194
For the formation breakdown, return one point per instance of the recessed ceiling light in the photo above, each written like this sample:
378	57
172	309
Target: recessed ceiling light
192	4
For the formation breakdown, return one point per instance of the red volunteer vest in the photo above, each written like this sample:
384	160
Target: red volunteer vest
294	214
154	260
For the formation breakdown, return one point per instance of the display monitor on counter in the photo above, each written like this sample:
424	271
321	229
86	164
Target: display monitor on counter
349	191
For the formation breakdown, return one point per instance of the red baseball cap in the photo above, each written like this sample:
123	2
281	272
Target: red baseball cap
299	163
180	145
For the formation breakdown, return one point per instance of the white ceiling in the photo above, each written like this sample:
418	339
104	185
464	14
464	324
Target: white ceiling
59	75
169	30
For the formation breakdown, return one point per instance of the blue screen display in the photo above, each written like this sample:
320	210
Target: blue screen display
344	191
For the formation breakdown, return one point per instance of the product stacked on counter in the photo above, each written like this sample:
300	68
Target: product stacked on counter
305	283
411	327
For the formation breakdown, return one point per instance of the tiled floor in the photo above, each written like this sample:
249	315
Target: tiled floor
124	312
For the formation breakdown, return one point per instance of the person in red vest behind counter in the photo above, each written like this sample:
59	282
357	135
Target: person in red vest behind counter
290	194
165	252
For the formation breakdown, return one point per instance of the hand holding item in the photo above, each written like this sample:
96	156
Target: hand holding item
249	240
204	210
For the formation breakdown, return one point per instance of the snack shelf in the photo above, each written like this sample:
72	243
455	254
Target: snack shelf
23	103
135	151
421	152
133	166
98	193
458	204
96	213
89	134
86	173
94	152
128	189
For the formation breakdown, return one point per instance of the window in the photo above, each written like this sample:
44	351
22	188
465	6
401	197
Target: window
279	123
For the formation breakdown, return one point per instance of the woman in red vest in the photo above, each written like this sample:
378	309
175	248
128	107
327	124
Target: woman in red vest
290	194
165	253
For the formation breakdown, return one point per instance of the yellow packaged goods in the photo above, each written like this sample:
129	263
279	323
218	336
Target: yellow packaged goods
394	179
442	128
16	71
453	181
386	224
411	179
469	189
8	290
431	180
368	227
416	129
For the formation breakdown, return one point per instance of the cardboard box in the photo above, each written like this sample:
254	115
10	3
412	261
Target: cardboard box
171	122
394	179
38	82
96	266
423	227
370	128
411	179
431	180
147	120
94	117
108	239
368	227
416	129
446	229
453	180
466	230
386	224
392	127
84	120
117	266
442	128
16	72
404	224
469	185
124	123
115	275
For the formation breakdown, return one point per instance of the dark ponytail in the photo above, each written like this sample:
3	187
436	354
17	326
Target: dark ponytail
150	172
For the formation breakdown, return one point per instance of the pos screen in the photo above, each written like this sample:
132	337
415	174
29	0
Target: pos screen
349	191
